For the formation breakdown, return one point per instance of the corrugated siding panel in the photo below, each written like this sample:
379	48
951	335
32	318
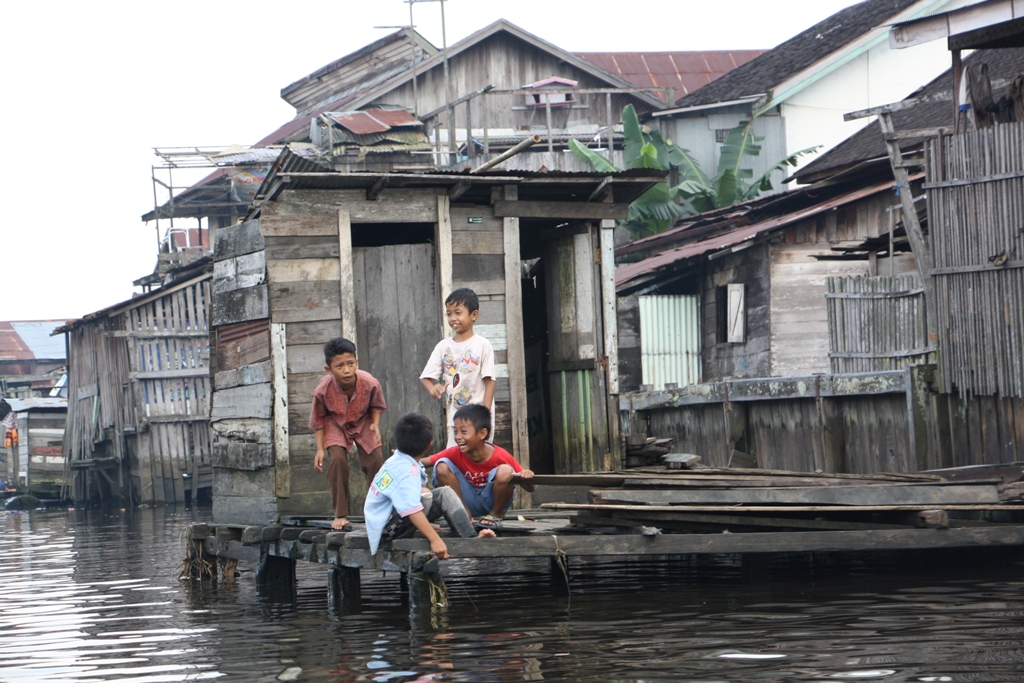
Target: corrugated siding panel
670	340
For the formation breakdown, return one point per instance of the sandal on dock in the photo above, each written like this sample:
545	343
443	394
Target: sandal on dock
488	522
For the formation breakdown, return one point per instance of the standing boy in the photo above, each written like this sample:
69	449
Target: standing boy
461	367
484	475
400	486
347	404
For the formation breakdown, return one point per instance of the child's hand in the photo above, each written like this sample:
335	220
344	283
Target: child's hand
526	474
375	430
318	461
437	391
440	549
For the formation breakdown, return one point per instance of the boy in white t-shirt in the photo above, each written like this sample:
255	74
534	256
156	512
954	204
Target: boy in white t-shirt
461	367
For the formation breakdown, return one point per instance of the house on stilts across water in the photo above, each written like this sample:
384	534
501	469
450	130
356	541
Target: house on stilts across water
371	256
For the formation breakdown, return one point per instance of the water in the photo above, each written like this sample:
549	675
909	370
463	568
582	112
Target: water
93	596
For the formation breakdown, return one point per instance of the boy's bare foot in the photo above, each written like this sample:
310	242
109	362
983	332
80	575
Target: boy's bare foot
341	524
486	533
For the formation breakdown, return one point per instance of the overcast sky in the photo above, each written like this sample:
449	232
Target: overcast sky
90	88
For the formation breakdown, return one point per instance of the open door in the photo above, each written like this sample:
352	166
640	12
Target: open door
581	438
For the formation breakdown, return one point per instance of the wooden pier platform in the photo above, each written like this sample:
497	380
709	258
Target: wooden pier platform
661	514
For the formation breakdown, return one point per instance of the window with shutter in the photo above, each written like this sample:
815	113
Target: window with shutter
737	314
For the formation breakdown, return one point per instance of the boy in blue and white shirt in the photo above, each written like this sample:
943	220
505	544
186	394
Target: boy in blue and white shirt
400	485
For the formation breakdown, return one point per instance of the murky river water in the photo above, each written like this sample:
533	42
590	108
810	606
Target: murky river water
93	596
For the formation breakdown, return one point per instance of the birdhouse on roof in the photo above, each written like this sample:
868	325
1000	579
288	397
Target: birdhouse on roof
555	99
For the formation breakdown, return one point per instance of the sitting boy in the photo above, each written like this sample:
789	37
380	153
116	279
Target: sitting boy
484	475
400	485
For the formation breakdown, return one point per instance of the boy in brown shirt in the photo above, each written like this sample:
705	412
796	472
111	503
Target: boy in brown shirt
347	405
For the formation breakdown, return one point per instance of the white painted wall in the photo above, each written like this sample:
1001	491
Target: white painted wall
814	116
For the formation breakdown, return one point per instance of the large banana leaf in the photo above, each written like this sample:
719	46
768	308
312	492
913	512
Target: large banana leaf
633	135
764	183
600	164
739	143
688	166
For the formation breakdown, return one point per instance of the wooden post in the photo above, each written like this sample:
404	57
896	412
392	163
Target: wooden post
558	568
344	589
609	312
958	74
487	142
918	244
279	366
516	349
427	593
347	278
547	108
443	240
470	151
917	416
275	573
611	126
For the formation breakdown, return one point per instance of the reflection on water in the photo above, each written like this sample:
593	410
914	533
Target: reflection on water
93	597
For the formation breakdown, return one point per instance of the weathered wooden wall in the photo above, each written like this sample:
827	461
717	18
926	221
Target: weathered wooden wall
241	418
877	323
975	184
862	423
478	262
627	315
799	314
506	63
139	392
724	360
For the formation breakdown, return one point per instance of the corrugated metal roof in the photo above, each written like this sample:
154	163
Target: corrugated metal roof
296	173
683	71
20	405
395	117
28	340
633	271
370	121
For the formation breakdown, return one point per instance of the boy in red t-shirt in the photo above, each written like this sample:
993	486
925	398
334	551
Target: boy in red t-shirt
484	475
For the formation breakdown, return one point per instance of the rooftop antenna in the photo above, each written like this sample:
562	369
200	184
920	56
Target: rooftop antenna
447	79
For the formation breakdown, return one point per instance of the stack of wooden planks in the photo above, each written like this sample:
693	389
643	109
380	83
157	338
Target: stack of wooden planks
706	499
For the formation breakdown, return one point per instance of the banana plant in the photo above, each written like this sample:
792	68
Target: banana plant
663	204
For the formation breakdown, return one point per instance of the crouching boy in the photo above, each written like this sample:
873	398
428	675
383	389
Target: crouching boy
484	475
400	485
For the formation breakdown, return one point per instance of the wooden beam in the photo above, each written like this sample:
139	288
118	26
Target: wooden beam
443	234
610	328
374	190
702	544
609	301
346	276
456	191
515	336
684	518
169	374
918	244
279	363
913	494
561	210
601	191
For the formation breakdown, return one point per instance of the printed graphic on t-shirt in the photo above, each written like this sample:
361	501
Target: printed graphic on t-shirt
384	481
456	368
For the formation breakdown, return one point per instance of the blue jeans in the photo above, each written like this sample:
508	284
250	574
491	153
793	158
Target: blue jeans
479	500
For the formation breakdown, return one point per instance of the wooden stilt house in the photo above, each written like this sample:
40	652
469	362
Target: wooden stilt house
371	257
138	395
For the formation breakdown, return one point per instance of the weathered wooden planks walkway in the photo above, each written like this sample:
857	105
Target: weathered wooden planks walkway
661	513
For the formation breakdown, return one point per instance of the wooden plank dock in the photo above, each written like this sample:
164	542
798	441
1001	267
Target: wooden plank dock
662	513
